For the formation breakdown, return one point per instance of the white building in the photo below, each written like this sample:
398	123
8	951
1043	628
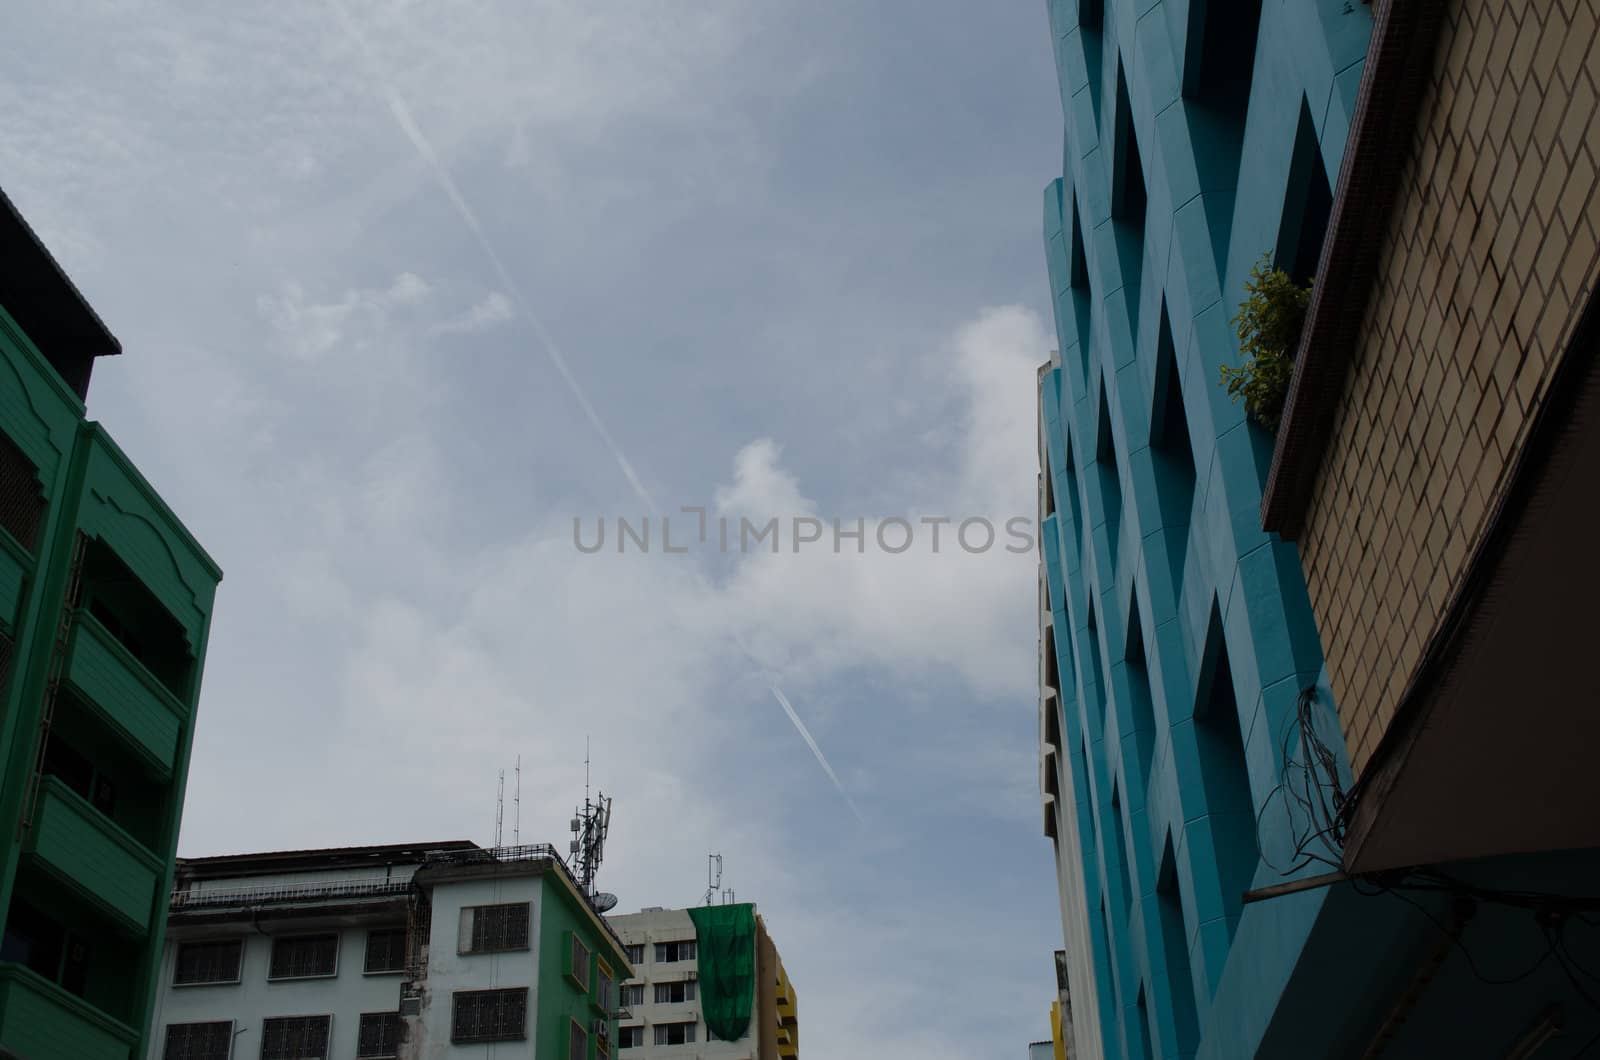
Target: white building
663	1004
422	952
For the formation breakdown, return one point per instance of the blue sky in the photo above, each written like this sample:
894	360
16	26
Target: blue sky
791	256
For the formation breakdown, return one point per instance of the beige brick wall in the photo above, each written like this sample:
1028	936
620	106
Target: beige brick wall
1490	255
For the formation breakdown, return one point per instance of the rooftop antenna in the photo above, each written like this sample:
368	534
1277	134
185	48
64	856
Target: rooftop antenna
589	828
499	807
516	803
713	877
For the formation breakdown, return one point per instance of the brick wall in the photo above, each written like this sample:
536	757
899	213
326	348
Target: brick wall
1490	255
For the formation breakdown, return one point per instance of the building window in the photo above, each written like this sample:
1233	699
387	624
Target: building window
386	951
494	928
215	961
304	957
604	987
602	1048
577	1042
632	994
379	1035
675	1033
295	1037
489	1015
635	954
630	1037
22	504
199	1041
675	951
1225	772
675	993
578	963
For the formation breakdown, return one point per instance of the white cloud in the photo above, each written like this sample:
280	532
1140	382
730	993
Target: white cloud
494	308
945	604
310	330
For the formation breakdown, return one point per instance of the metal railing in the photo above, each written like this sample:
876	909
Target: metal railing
287	892
367	887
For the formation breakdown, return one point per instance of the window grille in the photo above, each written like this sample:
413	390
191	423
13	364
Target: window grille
489	1016
295	1038
304	957
215	961
379	1035
198	1041
495	928
386	950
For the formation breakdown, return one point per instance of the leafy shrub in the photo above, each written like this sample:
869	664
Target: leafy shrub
1269	323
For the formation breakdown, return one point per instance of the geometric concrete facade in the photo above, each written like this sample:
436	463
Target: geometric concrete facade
1176	635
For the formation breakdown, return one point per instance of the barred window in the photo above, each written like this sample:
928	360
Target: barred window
577	1042
489	1015
386	950
578	968
674	993
304	957
630	1037
632	994
295	1037
379	1035
199	1041
494	928
636	954
675	951
675	1033
211	961
602	1048
22	502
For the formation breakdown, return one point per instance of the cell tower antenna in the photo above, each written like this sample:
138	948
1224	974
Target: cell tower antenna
499	807
590	825
713	877
516	812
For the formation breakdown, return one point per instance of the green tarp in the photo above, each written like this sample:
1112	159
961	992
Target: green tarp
725	938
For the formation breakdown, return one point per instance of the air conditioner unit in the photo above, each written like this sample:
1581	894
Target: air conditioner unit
601	1029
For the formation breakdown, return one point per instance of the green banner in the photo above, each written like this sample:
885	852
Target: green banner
726	942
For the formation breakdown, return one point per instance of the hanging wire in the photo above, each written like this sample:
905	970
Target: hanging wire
1313	797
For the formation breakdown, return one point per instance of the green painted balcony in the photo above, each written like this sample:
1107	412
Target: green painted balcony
118	507
82	849
41	1021
117	688
15	566
40	412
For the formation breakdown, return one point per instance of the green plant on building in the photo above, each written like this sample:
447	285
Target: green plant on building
1269	322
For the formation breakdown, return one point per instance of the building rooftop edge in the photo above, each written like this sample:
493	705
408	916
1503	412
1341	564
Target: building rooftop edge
314	857
65	293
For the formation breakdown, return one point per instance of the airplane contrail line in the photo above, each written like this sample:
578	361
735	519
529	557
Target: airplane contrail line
401	113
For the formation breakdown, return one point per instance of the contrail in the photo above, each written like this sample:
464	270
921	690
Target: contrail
788	708
441	174
447	184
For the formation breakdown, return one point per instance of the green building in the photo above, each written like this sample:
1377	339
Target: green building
105	606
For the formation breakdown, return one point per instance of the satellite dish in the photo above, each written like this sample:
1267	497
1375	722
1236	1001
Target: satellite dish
603	902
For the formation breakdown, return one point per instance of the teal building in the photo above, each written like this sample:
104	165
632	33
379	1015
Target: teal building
1194	775
105	608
